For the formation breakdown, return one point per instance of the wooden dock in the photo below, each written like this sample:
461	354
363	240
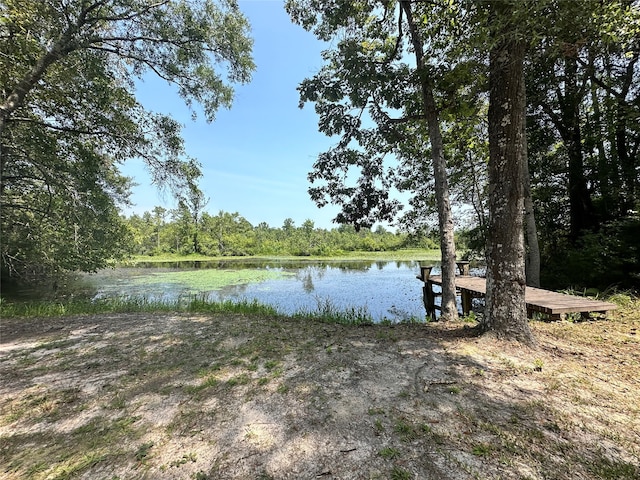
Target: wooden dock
555	305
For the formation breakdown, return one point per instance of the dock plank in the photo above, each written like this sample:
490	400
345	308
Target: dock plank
537	299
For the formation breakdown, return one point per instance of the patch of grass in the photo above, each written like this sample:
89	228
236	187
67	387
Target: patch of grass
143	451
283	388
470	317
242	379
378	427
482	450
76	466
537	365
622	299
247	307
209	382
425	428
118	402
389	453
69	456
36	468
406	431
271	364
398	473
326	311
386	335
608	469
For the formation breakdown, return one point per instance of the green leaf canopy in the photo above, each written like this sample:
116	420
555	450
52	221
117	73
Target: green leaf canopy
69	117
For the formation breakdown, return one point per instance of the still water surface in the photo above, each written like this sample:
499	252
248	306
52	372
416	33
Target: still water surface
386	289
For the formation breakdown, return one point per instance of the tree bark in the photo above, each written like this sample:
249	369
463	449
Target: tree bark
449	308
506	309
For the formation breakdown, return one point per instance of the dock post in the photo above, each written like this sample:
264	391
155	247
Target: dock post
463	267
465	296
427	291
429	299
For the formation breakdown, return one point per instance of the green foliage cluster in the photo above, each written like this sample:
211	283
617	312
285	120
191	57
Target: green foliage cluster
69	117
584	144
607	257
229	234
582	71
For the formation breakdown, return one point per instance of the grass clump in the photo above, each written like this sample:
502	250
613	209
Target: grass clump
326	311
482	450
398	473
143	451
389	453
406	430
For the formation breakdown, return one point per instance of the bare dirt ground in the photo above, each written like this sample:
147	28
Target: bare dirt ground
179	396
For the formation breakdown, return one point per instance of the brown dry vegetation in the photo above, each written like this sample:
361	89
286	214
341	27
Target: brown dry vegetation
177	396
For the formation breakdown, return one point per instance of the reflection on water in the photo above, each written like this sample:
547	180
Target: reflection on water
307	282
385	289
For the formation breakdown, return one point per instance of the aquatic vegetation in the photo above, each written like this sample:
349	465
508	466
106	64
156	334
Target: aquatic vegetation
195	281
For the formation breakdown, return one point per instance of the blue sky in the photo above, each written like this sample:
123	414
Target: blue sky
255	157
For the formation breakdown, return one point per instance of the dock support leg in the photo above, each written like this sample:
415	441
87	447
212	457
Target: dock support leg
429	299
465	296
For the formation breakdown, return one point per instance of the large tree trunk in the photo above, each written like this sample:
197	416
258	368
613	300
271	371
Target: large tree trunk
506	309
449	309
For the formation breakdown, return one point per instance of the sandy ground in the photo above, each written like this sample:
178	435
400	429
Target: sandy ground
178	396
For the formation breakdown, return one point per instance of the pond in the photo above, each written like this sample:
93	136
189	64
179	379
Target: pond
384	289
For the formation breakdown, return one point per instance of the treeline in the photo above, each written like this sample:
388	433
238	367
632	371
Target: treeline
178	231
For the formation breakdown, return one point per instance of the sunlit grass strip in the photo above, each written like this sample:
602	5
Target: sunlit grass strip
417	254
325	311
132	305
